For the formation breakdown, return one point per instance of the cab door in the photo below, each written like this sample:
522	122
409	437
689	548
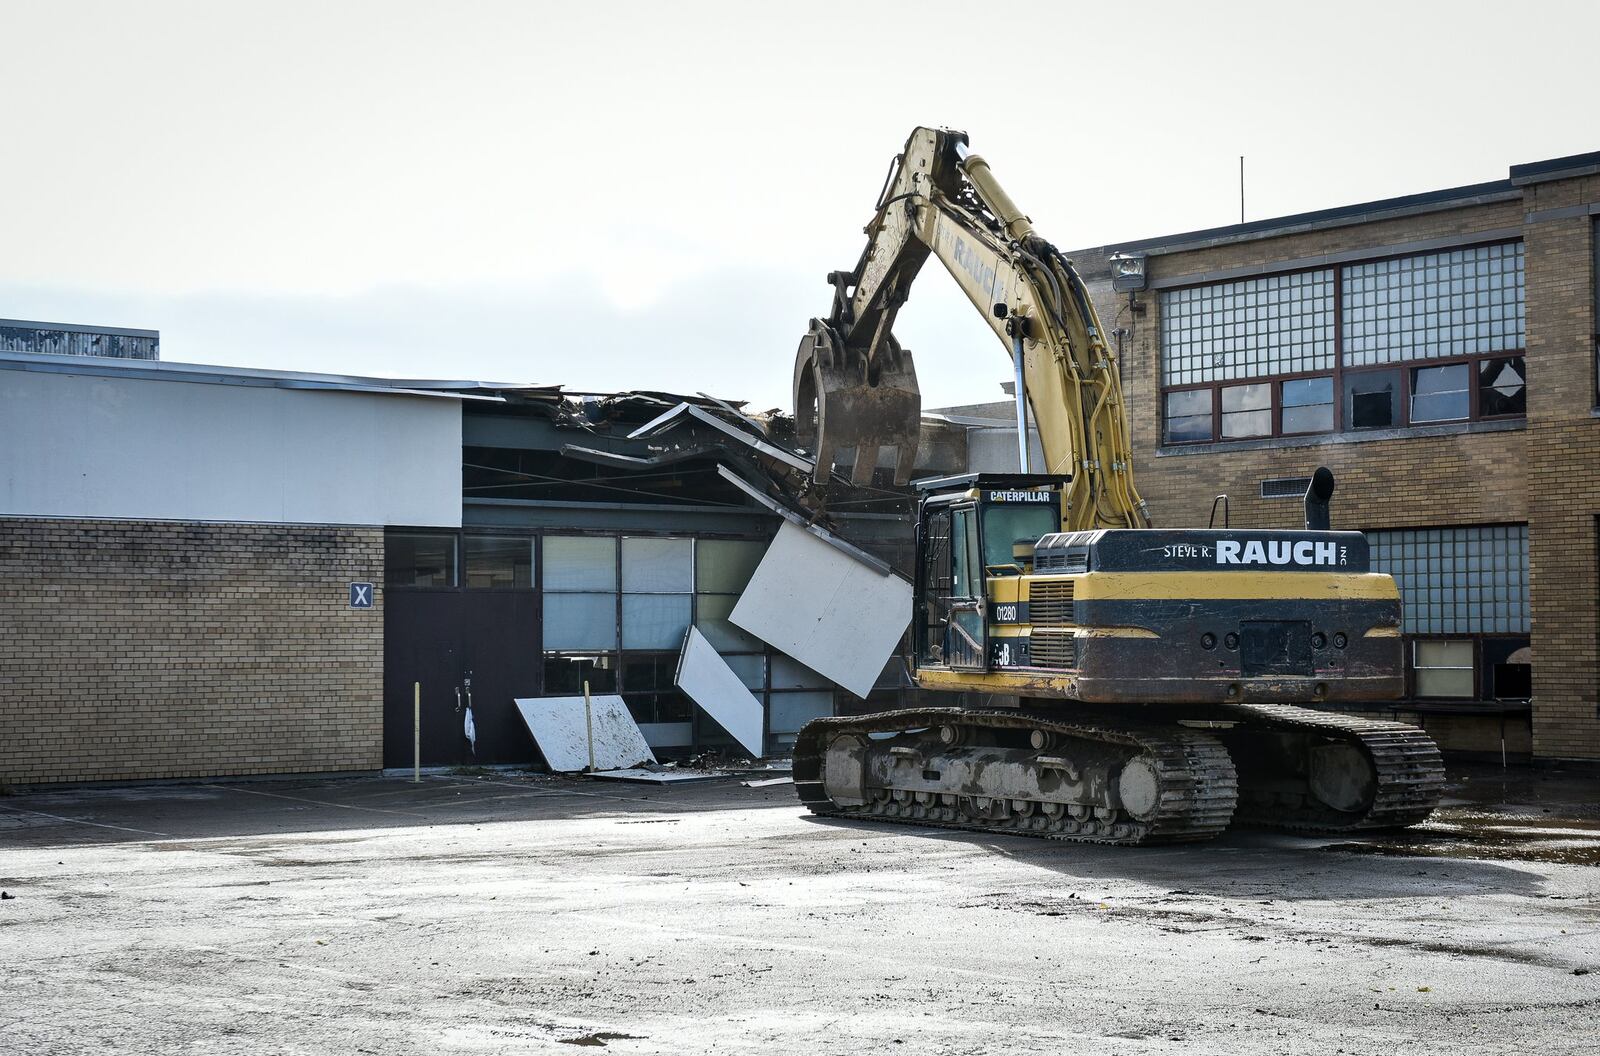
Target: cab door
967	634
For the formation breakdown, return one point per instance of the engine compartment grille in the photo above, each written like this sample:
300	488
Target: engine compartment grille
1053	649
1050	603
1061	561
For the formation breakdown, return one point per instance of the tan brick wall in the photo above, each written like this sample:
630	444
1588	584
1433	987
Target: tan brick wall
148	650
1563	478
1546	473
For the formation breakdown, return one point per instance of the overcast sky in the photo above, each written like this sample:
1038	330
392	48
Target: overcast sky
619	195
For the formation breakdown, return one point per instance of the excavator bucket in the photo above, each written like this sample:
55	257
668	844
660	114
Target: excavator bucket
845	402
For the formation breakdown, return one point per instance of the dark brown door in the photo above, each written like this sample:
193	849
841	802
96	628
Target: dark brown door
476	648
500	654
422	644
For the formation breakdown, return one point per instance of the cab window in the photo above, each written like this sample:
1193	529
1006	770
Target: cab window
1004	526
968	573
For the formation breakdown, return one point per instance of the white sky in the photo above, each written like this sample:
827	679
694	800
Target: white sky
619	195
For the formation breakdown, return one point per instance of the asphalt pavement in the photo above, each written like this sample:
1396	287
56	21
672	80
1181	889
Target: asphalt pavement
508	913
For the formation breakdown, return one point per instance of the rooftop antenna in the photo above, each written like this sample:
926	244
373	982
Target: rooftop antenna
1241	188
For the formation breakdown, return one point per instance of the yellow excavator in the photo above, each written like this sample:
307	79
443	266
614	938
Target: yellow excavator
1119	683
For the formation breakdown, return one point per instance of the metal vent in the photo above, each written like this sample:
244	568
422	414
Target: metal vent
1056	649
1050	604
1284	487
1061	561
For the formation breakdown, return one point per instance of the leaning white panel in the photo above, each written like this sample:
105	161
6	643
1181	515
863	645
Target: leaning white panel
563	733
826	609
711	683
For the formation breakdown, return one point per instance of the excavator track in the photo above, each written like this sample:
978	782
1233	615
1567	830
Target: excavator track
1273	766
1185	782
1406	770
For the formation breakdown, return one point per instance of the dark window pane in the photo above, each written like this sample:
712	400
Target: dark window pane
1502	387
1184	430
646	672
418	560
1188	416
1371	399
1440	394
1308	392
1512	681
1246	398
565	675
657	707
498	561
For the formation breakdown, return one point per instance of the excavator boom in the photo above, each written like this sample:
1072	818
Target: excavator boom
855	387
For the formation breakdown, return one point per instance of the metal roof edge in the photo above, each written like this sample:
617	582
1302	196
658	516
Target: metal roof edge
210	374
1297	223
1556	168
79	328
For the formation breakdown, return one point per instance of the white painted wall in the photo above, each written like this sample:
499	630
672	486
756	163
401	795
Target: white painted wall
75	445
994	450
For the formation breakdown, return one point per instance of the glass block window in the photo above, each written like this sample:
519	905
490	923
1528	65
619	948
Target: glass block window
1274	324
1459	302
1458	580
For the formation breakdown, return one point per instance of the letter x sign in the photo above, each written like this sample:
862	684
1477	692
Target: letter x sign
361	595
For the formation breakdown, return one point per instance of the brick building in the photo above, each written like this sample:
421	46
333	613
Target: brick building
182	547
176	548
1438	353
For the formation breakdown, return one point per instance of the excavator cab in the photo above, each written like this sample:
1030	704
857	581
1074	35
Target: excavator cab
975	539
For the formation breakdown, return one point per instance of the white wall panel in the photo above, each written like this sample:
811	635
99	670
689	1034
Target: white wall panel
825	608
712	684
85	446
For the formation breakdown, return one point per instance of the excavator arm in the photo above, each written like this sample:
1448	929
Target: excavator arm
855	387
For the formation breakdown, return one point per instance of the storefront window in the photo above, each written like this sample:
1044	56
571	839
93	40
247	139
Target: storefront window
498	562
416	559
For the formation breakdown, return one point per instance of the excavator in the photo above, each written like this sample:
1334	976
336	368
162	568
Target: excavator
1118	683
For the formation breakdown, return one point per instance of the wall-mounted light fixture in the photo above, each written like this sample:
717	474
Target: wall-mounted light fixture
1127	272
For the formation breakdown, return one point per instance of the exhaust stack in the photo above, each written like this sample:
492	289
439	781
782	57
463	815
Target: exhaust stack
1317	496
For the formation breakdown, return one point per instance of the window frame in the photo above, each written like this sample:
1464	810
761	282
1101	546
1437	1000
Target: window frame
1339	370
1474	665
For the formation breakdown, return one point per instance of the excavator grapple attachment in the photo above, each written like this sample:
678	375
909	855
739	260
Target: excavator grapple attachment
845	400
